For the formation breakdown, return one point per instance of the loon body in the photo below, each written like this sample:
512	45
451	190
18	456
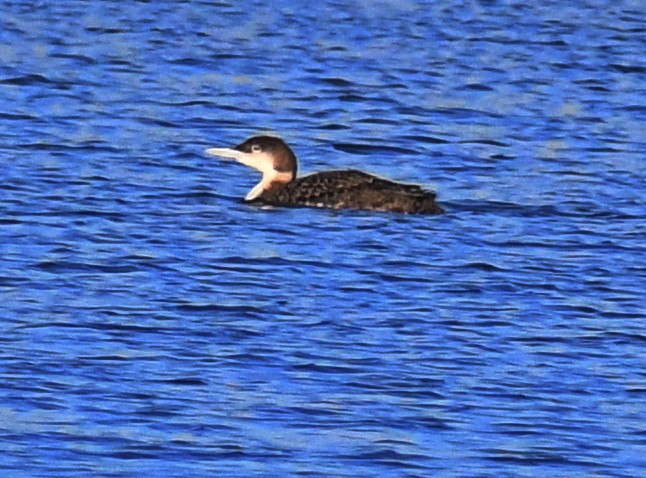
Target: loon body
342	189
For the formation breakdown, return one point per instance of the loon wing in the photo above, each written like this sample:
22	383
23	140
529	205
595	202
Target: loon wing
347	180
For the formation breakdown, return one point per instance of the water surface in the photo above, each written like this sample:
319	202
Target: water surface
153	321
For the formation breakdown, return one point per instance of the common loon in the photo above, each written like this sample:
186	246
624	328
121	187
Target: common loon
341	189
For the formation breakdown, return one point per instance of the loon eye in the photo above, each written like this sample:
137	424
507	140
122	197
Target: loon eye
256	148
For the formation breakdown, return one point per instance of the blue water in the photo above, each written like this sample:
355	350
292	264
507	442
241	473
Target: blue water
154	324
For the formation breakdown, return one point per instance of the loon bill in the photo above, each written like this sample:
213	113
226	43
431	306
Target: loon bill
340	189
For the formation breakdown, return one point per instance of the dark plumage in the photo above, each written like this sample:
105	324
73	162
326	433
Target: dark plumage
342	189
351	189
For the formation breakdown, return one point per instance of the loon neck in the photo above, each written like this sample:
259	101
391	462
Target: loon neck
271	181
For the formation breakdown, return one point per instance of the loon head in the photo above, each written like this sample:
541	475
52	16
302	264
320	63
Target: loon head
267	154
